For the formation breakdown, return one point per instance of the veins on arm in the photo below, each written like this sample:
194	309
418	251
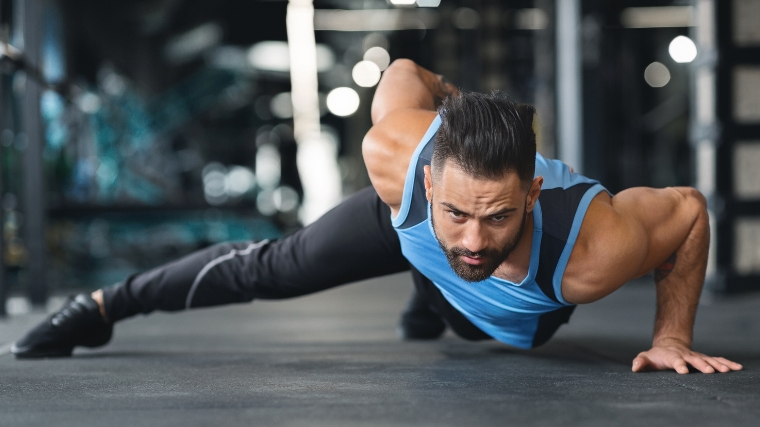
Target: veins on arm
664	270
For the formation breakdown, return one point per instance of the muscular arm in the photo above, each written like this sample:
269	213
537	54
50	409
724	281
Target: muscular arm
406	85
637	231
405	104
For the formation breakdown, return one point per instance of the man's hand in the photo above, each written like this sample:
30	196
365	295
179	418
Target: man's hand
672	354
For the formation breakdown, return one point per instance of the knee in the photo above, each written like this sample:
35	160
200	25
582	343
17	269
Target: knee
472	333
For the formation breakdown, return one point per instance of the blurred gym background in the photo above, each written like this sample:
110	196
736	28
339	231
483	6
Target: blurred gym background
135	131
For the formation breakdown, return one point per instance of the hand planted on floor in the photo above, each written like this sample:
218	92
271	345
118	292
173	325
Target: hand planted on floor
677	356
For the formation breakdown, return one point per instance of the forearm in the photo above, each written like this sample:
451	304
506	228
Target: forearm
675	222
407	85
679	283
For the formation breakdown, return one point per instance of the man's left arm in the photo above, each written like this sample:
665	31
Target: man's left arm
679	282
633	233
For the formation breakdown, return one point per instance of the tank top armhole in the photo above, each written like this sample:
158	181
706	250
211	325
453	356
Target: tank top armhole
580	213
406	200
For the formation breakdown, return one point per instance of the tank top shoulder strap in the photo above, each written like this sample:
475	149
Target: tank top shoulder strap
414	203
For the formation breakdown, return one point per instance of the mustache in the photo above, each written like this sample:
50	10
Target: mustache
486	253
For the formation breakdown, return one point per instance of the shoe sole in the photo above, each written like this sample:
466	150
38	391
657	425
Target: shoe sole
22	353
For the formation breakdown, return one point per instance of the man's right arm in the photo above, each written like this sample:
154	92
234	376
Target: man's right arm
404	105
407	86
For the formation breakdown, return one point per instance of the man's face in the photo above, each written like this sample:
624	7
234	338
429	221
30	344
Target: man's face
478	222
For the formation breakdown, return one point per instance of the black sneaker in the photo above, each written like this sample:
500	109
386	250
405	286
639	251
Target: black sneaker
420	322
77	323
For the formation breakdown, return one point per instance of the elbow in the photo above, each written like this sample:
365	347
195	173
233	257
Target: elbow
399	69
695	202
696	199
401	65
692	197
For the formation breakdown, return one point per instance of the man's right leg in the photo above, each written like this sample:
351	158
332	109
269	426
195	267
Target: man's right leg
437	308
352	242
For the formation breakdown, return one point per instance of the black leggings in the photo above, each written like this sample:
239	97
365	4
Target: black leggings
352	242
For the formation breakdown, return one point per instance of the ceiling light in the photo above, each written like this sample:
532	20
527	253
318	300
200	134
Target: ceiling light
682	49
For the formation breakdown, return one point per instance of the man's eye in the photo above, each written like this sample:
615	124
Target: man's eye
499	218
455	215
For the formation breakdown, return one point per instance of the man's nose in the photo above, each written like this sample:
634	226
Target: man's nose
473	239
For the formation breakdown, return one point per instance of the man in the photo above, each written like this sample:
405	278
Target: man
503	243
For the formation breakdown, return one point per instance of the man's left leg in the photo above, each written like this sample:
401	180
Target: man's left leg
354	241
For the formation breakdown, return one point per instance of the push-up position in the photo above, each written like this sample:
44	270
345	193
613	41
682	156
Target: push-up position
502	242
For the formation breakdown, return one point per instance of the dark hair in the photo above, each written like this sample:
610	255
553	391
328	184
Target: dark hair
487	135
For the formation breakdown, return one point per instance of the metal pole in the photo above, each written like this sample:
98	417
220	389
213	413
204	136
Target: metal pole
4	101
569	83
545	89
317	155
704	127
5	19
34	193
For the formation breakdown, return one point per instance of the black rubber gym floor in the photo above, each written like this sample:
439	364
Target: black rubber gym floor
334	359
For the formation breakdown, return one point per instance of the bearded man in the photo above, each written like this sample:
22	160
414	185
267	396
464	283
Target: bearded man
502	243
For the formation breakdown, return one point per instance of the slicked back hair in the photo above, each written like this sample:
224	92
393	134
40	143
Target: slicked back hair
486	135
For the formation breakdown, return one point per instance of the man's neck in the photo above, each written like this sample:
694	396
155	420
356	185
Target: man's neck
517	265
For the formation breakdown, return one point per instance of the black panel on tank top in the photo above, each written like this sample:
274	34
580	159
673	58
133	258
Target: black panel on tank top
558	208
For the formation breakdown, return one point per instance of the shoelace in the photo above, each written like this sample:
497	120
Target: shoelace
73	308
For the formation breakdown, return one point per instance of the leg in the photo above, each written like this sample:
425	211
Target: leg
420	321
427	291
436	304
352	242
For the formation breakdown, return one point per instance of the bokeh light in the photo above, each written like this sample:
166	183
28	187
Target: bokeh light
465	18
657	74
379	56
285	199
682	49
343	101
281	105
375	39
240	180
366	73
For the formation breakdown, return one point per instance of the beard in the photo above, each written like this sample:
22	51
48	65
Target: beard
493	257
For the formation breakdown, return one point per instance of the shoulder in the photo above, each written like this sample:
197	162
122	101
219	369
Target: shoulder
608	252
388	148
626	236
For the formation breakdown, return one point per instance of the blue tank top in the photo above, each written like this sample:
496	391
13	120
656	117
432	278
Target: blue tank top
512	313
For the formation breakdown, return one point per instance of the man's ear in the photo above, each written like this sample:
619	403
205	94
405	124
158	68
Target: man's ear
533	193
428	184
